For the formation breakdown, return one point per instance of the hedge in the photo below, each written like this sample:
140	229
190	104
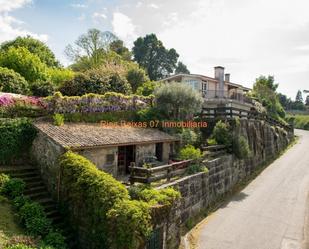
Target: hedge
16	136
94	199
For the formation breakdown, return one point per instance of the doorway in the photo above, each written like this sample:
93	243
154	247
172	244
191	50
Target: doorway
126	155
159	151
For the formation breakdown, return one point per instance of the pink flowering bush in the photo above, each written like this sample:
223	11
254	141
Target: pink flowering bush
6	100
12	105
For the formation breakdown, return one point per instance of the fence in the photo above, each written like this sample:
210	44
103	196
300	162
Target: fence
149	175
213	94
233	112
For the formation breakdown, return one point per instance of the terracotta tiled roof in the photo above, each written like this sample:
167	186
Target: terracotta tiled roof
81	135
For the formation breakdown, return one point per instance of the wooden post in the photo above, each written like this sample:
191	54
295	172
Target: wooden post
132	172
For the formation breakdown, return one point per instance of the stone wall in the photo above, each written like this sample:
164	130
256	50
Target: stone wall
201	190
99	157
45	152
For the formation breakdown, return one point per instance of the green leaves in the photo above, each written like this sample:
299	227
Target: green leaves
150	53
16	136
22	61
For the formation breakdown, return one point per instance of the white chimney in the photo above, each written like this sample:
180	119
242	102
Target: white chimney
227	77
219	75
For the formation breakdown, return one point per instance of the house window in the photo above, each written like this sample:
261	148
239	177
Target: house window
110	159
193	83
204	86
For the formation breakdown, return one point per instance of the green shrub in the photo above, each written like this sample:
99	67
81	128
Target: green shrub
222	134
189	152
12	82
148	114
3	181
147	88
177	101
16	136
188	136
129	224
55	239
20	201
58	119
42	88
25	63
13	188
34	218
166	196
196	168
241	147
211	141
92	194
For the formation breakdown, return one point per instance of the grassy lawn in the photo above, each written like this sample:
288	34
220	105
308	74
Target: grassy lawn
8	222
300	122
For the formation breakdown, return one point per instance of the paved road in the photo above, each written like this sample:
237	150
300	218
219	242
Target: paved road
270	212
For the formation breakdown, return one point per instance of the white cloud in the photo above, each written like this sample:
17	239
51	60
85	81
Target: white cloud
9	5
123	27
79	6
10	27
99	15
153	5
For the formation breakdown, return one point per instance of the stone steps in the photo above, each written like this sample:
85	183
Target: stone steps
37	191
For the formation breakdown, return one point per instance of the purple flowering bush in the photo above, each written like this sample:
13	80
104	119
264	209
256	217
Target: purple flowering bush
91	103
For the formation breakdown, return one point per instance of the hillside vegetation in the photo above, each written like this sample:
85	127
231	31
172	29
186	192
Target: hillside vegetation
300	121
8	223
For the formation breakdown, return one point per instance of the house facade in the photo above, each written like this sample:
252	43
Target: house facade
111	149
217	87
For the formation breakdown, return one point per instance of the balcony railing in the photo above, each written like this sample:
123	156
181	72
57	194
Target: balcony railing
218	94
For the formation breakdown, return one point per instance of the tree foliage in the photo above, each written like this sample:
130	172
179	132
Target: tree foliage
99	80
299	97
22	61
12	82
136	77
90	47
150	53
34	46
264	89
118	47
177	101
181	68
147	88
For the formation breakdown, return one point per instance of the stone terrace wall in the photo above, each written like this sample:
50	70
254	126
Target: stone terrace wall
201	190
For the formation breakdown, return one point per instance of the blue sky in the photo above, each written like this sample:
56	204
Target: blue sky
247	37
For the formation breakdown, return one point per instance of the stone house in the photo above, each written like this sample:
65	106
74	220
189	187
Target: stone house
111	149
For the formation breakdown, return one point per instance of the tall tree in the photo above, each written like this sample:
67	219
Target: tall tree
119	48
299	97
181	68
90	46
25	63
150	53
34	46
264	89
307	100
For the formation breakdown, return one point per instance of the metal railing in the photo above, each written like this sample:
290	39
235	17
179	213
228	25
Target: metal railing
219	94
232	112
